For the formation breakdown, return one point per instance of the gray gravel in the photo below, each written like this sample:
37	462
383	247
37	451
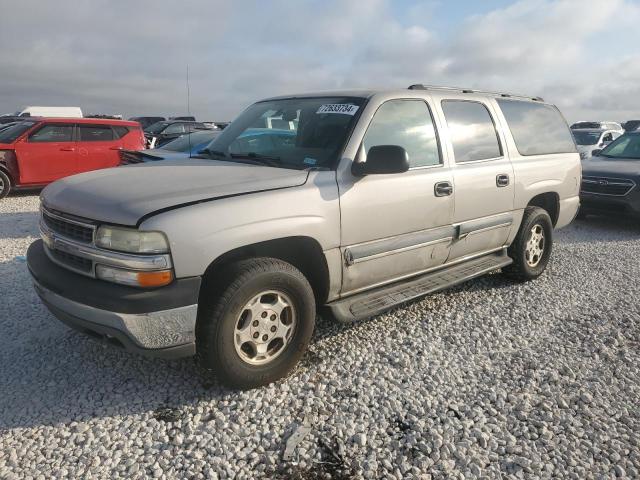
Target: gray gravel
491	379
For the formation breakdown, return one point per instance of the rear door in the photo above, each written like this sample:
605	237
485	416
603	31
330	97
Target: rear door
47	154
97	147
482	174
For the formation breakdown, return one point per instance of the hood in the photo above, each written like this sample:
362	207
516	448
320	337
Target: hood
123	195
609	167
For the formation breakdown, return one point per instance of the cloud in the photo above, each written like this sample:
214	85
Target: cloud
131	57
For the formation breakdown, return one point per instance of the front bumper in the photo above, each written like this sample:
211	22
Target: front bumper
159	322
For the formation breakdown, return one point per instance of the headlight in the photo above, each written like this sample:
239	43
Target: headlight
131	241
133	278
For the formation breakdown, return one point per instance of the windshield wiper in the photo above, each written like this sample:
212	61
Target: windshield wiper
258	158
214	154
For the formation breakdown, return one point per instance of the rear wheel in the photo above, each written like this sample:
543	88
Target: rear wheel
532	246
5	184
256	323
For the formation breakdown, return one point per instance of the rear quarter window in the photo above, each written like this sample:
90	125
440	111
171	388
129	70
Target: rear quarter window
121	131
537	128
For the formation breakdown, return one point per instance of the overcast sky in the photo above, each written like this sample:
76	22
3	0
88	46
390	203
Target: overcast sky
130	57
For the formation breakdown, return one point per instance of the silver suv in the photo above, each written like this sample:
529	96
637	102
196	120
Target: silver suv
348	202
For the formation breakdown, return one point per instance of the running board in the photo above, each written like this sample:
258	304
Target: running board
372	302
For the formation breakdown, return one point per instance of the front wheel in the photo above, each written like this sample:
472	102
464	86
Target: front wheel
256	322
532	247
5	184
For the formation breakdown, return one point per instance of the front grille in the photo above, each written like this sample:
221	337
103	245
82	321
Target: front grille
618	187
72	261
69	229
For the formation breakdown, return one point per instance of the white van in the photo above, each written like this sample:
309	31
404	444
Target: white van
57	112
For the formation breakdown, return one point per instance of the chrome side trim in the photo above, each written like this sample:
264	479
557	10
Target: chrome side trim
484	224
400	243
55	241
420	272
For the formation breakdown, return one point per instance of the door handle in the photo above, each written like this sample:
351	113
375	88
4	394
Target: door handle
67	149
443	189
115	148
502	180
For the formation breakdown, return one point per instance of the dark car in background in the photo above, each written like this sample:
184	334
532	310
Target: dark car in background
147	121
631	125
610	179
161	133
189	145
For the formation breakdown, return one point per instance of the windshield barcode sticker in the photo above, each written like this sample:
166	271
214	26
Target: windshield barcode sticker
343	108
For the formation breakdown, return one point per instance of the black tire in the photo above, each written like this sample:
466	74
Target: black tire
226	302
526	266
5	184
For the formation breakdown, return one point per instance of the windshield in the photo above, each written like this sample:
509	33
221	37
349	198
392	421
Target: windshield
586	138
625	146
10	134
290	133
156	127
193	141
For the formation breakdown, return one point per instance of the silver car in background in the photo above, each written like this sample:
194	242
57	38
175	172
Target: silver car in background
589	140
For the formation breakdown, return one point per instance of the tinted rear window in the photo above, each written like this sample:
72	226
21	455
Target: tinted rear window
537	129
472	131
120	131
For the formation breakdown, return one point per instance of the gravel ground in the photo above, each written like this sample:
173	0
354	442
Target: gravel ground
490	379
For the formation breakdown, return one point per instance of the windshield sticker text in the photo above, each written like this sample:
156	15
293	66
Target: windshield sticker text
343	108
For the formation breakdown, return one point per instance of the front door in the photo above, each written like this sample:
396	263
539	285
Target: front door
483	177
47	154
396	225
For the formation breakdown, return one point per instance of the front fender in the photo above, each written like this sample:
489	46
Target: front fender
199	234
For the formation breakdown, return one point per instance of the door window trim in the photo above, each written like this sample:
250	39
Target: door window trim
435	130
495	129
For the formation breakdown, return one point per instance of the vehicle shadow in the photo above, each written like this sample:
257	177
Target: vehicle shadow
18	225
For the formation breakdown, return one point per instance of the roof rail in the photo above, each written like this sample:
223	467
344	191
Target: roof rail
420	86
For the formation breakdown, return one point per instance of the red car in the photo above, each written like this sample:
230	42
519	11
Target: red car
36	152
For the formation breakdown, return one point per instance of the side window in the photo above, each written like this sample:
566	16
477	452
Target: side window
472	131
537	128
53	133
95	133
120	131
174	128
408	124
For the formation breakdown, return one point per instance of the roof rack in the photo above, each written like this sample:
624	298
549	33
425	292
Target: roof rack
419	86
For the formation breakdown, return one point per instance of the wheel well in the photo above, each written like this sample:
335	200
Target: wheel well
550	202
5	170
304	253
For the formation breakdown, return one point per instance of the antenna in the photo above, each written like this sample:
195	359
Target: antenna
188	108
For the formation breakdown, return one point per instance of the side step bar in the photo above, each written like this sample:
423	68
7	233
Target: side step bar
366	304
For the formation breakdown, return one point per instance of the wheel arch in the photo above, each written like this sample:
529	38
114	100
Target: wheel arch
548	201
304	253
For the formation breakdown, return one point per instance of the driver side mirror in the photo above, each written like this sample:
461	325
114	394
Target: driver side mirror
596	152
381	160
